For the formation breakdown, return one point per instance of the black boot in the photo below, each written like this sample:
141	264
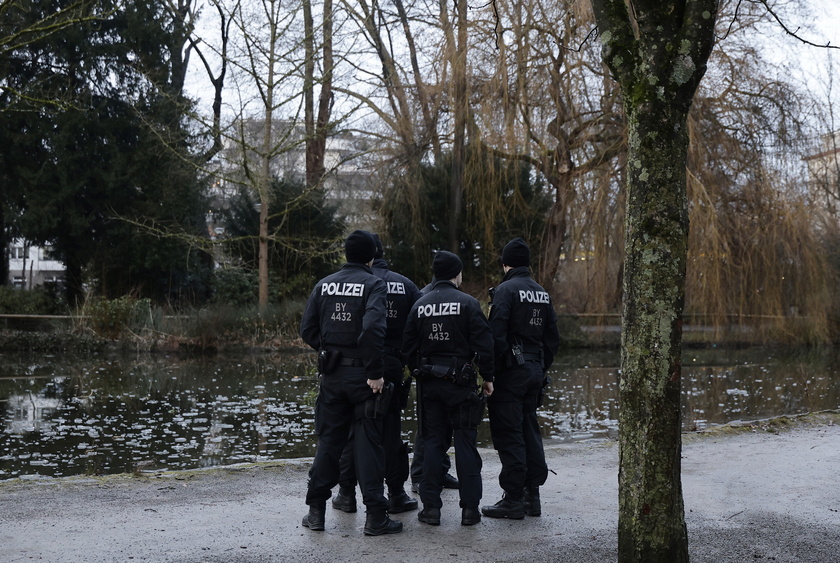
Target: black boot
399	501
345	500
315	519
505	508
377	523
450	482
429	516
470	516
531	500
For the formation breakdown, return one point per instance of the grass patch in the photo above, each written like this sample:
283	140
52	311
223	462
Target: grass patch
775	425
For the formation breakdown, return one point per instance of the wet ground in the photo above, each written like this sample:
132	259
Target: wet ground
766	493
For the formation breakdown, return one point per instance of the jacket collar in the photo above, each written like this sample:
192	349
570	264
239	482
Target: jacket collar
447	282
357	266
518	272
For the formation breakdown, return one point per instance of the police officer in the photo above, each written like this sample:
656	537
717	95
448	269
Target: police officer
449	481
526	339
401	295
344	320
445	334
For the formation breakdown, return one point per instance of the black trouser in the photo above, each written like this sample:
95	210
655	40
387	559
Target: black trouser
417	458
514	429
442	402
396	455
339	407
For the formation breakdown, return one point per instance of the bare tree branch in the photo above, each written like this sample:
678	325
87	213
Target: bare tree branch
793	33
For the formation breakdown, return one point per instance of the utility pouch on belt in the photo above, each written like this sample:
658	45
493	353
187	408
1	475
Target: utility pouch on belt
377	406
437	370
471	412
328	360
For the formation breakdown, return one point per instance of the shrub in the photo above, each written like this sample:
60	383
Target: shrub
38	301
109	317
247	325
234	287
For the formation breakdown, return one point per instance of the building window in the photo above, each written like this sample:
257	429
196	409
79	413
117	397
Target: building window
48	253
16	253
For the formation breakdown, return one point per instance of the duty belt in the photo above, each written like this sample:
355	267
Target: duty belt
351	362
444	360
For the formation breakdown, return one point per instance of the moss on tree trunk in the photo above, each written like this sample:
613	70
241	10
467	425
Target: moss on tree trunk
651	521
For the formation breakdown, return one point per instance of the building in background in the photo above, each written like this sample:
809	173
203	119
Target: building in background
346	181
31	265
824	172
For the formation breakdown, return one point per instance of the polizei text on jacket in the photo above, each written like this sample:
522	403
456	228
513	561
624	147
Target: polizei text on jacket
438	310
343	289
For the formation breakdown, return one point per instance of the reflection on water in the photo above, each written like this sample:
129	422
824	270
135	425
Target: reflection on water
97	416
100	415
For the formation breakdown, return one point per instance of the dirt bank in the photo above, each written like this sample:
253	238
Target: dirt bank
768	492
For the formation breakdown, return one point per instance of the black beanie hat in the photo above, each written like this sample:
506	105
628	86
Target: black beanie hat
446	265
359	247
380	251
516	253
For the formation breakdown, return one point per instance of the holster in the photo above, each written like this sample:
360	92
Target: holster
377	405
328	360
466	376
471	412
518	356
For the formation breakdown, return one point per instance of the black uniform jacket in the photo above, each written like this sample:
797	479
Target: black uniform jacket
346	312
445	323
402	294
522	313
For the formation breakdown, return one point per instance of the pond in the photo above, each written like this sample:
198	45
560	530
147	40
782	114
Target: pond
105	414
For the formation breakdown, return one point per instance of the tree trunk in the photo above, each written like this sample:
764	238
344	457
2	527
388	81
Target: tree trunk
554	231
265	202
316	125
74	288
4	244
658	54
266	153
456	189
651	524
325	100
429	116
